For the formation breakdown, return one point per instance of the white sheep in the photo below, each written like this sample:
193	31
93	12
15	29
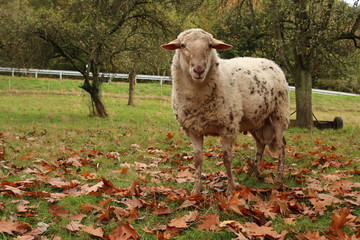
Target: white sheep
213	96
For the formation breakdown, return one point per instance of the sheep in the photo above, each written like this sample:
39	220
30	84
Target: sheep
219	97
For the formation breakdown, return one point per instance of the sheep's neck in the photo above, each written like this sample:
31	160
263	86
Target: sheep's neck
187	84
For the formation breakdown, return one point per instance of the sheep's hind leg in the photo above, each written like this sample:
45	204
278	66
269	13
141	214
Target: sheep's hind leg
197	141
227	144
260	147
281	143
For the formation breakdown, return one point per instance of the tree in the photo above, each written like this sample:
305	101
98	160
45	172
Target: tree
302	35
90	34
18	47
132	82
305	34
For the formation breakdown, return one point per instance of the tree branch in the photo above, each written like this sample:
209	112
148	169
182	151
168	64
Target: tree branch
352	34
279	41
60	49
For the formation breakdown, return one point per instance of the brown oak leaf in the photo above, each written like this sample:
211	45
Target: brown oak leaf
178	222
58	211
339	221
260	231
124	232
314	235
98	232
11	227
210	222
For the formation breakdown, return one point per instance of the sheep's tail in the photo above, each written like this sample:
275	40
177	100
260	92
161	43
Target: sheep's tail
273	146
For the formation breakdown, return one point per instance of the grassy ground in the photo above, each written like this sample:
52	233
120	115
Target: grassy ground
142	154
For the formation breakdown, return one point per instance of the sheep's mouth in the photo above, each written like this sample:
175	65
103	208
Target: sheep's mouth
199	78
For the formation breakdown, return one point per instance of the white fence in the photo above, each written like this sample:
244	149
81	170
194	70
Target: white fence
62	73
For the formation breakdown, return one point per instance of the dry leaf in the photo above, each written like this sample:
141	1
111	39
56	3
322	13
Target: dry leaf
178	222
11	227
260	231
74	226
192	216
290	221
210	222
58	211
98	232
161	208
124	232
314	236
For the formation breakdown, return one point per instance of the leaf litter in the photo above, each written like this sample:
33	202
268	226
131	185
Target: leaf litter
250	213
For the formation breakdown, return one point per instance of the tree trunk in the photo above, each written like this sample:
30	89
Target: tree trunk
99	106
303	96
132	82
94	91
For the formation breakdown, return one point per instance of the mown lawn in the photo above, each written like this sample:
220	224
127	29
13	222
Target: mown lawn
64	174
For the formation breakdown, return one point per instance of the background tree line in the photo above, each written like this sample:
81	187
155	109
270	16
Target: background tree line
316	42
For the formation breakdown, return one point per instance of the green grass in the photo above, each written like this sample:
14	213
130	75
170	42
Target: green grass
47	120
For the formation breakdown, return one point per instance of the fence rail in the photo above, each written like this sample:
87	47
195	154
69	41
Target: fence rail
62	73
110	76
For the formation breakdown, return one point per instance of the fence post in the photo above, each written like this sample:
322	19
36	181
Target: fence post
60	75
36	73
13	72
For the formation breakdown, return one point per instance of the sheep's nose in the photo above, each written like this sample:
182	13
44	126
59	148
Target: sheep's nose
199	69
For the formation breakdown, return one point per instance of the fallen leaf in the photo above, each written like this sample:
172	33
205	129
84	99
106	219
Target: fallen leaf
98	232
134	202
260	231
290	221
178	222
339	221
233	204
284	209
210	222
314	236
187	203
74	226
58	211
124	232
161	208
192	216
185	174
77	217
11	227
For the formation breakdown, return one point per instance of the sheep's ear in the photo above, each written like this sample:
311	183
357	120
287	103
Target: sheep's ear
219	45
175	44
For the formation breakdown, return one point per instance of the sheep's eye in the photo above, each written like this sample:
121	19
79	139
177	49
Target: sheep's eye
182	46
210	45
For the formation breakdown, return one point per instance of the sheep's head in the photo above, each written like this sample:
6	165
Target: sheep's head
195	48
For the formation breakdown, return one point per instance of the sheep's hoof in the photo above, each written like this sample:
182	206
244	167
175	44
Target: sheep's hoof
255	173
253	170
279	178
196	189
230	188
229	192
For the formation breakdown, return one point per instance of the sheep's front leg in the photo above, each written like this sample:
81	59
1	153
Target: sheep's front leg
227	144
197	142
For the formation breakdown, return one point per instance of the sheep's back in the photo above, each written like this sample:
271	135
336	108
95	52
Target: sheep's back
263	89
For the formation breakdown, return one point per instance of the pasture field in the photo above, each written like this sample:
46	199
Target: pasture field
67	175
